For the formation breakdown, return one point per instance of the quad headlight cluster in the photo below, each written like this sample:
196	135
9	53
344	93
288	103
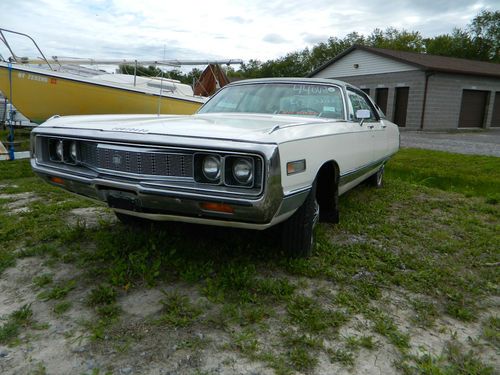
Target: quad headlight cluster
63	151
229	170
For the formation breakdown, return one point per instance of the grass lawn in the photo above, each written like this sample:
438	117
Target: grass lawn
404	261
21	137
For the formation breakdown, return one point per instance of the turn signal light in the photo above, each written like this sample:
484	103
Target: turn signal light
57	180
218	207
294	167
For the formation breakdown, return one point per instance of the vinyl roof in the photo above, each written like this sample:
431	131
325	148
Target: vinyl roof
426	62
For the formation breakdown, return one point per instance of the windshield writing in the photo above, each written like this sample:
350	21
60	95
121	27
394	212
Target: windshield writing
279	98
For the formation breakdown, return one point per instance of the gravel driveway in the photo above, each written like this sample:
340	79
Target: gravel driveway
480	143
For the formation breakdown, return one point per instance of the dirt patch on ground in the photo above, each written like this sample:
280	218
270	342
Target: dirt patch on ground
139	342
137	346
90	217
20	202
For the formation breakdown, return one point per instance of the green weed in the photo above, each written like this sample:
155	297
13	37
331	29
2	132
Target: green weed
178	311
57	292
342	356
101	295
23	317
491	331
43	280
307	313
61	307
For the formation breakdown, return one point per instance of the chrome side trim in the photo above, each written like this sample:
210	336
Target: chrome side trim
356	173
293	201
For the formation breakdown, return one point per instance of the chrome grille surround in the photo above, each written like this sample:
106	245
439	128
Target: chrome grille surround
135	160
95	161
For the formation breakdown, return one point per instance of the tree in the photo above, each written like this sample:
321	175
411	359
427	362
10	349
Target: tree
485	33
401	40
457	44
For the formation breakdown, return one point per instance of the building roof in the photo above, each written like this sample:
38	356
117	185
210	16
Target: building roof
425	62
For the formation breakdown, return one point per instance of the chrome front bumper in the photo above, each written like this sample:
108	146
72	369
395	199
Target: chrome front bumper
142	199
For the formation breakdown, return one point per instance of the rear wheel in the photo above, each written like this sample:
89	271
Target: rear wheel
297	233
377	180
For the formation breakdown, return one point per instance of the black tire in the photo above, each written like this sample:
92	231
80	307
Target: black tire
132	221
377	180
297	232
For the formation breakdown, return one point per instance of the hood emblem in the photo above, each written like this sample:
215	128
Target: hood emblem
117	159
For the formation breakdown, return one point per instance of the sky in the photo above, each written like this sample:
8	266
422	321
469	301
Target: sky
216	29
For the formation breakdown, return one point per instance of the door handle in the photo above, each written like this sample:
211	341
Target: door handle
370	126
384	126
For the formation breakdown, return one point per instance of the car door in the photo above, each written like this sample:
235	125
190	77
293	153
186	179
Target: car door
374	126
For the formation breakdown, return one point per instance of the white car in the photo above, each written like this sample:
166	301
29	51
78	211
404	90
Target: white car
257	154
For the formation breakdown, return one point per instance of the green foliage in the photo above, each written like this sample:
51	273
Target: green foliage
57	292
153	71
43	280
454	361
342	356
425	313
485	31
384	325
302	359
178	311
21	138
307	313
18	319
491	331
467	174
355	343
61	307
246	342
15	169
253	293
101	295
392	38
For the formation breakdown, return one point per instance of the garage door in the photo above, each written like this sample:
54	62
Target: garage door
473	108
381	95
495	119
401	106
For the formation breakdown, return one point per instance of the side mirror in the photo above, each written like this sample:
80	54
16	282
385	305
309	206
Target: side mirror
362	115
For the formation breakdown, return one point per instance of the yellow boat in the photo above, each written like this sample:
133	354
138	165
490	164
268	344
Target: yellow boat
39	93
40	88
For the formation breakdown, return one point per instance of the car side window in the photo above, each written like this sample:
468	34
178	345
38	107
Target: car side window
356	102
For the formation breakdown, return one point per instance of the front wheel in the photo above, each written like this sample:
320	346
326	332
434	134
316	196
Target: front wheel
297	232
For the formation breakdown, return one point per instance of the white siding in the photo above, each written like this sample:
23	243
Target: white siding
368	63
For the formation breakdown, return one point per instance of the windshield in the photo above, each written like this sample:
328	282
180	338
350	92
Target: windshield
297	99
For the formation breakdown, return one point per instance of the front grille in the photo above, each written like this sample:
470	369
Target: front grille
136	161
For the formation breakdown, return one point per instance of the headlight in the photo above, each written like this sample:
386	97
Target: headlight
60	150
243	170
211	168
72	151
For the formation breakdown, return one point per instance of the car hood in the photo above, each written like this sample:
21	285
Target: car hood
240	127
